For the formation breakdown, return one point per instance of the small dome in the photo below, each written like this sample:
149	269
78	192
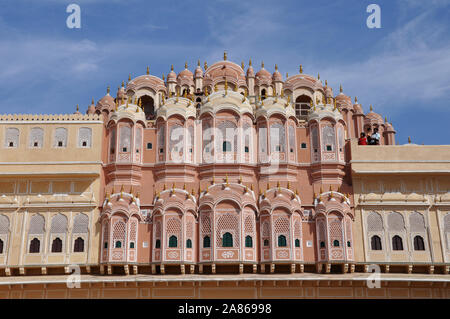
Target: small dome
186	74
374	117
344	101
250	72
358	109
276	76
172	76
198	71
222	70
263	73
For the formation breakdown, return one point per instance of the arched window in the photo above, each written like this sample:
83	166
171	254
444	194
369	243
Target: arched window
35	246
206	242
336	243
322	244
173	241
349	244
125	139
118	244
188	243
266	242
418	243
78	246
302	106
105	246
1	246
57	245
84	137
12	137
263	94
158	244
148	105
397	243
248	241
227	240
282	241
297	242
132	245
60	139
375	243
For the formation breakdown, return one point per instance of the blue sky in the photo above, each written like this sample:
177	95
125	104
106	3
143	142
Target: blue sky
402	69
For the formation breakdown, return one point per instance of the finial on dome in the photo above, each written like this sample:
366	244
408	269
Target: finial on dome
206	65
262	64
301	69
78	108
92	101
123	84
318	76
371	108
334	104
108	89
224	55
356	100
409	139
185	65
129	77
287	75
242	65
171	67
385	119
326	83
163	78
276	67
250	62
148	70
340	88
198	63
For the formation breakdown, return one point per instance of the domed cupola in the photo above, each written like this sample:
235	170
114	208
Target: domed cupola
250	71
121	94
129	111
276	76
357	107
222	71
373	118
106	103
343	101
275	105
263	77
328	90
176	105
91	108
185	77
198	71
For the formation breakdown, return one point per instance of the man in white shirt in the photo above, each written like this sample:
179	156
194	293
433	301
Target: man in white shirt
375	138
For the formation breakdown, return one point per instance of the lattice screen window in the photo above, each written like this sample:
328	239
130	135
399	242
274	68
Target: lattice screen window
36	137
4	224
297	230
119	234
85	137
176	139
227	223
138	140
105	235
112	141
125	139
227	132
80	224
190	229
12	137
173	228
314	139
328	138
322	233
59	224
158	230
341	138
37	223
348	232
161	138
416	222
133	230
190	139
247	132
396	222
374	222
281	227
60	139
277	138
335	232
291	139
447	229
262	134
206	225
266	229
207	137
248	225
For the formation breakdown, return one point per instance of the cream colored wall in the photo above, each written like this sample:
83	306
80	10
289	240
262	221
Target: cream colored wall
49	181
404	179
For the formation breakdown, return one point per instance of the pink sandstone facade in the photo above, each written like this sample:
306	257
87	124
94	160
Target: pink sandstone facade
225	170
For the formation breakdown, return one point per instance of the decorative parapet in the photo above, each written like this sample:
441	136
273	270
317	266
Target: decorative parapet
50	117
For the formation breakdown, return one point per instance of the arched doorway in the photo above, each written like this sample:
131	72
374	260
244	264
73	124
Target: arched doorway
148	105
302	106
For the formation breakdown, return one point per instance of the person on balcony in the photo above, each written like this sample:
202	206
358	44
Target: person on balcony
363	139
375	138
